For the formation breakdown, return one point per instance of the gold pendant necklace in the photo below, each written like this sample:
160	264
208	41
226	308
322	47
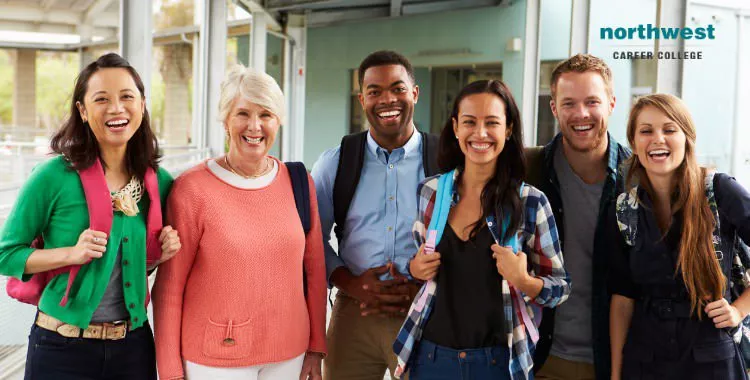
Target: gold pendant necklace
262	173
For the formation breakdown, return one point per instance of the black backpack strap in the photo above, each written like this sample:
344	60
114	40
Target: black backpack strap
301	189
430	145
534	165
351	160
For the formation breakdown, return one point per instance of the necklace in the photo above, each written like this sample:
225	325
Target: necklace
127	198
263	172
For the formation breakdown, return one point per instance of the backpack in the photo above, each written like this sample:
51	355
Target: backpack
351	161
739	276
100	211
301	189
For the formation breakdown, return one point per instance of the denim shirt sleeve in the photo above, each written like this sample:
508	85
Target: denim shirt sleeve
324	175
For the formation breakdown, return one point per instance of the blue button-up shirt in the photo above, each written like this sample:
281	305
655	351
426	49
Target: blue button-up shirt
383	209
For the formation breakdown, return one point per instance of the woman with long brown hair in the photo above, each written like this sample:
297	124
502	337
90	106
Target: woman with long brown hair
670	314
488	250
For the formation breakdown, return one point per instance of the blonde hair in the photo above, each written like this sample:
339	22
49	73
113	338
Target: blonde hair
255	86
697	258
582	63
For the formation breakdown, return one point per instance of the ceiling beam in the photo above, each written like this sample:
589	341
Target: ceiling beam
34	14
95	10
252	7
20	26
48	4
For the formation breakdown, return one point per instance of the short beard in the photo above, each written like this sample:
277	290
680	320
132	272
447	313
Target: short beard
599	139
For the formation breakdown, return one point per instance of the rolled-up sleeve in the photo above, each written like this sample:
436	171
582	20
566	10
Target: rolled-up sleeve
545	255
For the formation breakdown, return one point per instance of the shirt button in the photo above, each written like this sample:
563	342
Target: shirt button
390	166
125	239
389	228
390	198
131	306
127	284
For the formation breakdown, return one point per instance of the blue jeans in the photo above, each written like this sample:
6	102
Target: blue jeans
53	356
435	362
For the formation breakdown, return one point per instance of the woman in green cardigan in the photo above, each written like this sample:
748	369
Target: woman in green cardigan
95	325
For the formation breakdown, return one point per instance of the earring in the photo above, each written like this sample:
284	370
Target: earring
456	137
507	138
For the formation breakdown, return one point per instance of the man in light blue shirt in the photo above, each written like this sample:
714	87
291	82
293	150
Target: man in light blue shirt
375	244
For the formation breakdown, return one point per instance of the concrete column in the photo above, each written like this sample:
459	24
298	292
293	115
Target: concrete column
531	71
670	13
213	37
258	38
295	54
24	89
86	31
176	73
136	39
579	27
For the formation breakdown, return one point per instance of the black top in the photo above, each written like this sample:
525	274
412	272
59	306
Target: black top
662	329
468	309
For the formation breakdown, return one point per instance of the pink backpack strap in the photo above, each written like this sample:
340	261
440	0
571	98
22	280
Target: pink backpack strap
99	204
154	218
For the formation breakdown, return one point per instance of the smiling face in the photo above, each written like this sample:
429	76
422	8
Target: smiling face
113	107
388	98
481	128
659	142
252	130
582	107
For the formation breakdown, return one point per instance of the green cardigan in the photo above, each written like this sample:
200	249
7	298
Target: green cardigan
52	203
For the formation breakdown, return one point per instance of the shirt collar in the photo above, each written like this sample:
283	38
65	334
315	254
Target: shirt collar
412	145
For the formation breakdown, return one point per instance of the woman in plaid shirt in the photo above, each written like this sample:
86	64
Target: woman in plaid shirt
477	314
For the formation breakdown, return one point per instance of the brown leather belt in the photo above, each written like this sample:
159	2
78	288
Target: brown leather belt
104	331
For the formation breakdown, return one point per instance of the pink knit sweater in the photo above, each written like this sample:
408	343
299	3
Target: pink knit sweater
233	295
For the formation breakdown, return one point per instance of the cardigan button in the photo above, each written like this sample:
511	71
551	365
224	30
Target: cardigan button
125	262
132	306
125	239
127	284
229	341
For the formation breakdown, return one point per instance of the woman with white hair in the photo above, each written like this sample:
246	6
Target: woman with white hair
234	304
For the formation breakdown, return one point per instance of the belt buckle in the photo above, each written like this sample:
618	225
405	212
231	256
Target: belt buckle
114	326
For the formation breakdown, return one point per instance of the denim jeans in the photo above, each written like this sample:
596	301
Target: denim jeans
435	362
53	356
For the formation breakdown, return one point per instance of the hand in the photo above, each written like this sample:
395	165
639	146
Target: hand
91	245
393	300
424	266
311	367
170	243
723	314
511	266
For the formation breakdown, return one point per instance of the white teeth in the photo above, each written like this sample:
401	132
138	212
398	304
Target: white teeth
480	146
116	123
389	113
658	152
251	140
582	127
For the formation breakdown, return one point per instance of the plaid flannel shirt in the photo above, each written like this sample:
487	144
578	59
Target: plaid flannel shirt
538	238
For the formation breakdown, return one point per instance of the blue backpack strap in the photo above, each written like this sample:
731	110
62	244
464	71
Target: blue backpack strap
301	189
626	210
